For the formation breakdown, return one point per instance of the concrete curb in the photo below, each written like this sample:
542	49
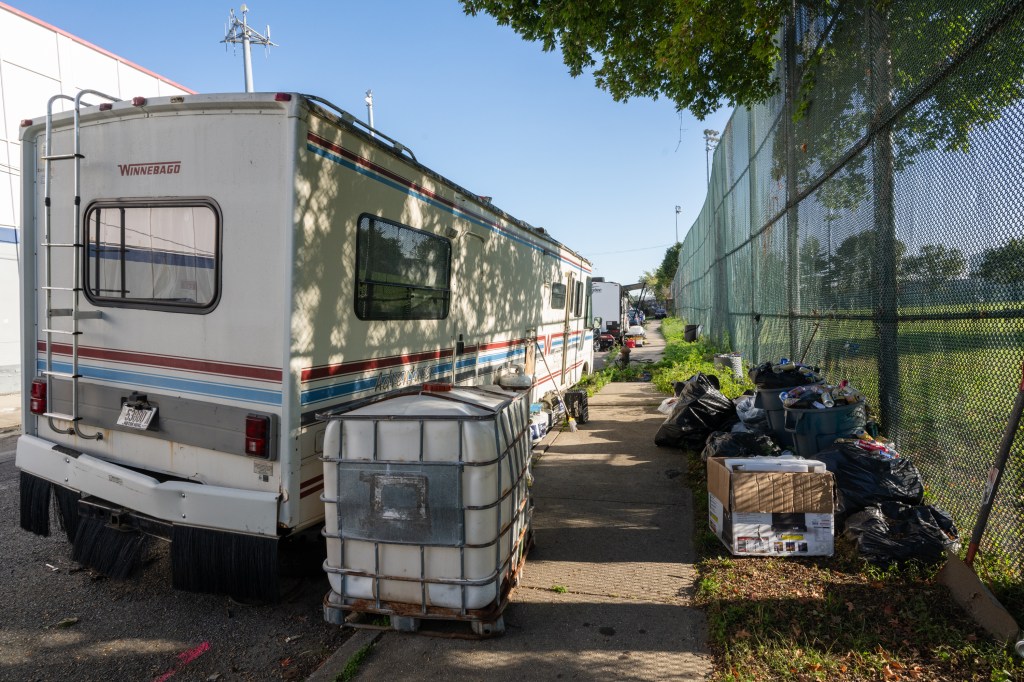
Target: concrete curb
333	667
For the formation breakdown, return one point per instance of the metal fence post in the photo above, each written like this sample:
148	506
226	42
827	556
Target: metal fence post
885	256
792	214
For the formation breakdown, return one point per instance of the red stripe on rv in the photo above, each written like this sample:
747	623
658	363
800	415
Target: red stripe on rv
551	376
307	488
495	345
170	362
366	163
327	371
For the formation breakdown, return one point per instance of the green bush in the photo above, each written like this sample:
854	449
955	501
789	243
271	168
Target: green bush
681	360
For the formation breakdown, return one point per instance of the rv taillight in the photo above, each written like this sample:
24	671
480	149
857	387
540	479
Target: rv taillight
106	106
138	101
37	399
257	435
283	97
26	122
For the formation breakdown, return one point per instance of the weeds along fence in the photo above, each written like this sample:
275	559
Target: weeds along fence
870	219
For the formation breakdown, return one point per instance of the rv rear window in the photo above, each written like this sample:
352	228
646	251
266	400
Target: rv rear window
153	254
401	273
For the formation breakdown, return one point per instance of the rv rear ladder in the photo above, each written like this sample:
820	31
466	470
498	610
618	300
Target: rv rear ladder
77	248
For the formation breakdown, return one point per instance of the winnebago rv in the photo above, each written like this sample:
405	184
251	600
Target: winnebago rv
204	276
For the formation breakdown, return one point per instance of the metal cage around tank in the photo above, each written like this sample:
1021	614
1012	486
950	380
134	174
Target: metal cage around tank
428	505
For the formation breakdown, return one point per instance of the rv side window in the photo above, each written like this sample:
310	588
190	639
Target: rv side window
149	254
577	309
557	295
401	273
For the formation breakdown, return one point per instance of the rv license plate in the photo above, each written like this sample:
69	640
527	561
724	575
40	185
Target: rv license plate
136	418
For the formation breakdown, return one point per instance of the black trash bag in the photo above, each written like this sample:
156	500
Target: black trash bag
742	444
895	532
679	386
764	377
865	478
701	409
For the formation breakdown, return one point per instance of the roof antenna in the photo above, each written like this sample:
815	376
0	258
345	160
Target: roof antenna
239	32
369	110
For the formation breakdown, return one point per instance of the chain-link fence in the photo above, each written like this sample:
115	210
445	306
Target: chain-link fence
870	219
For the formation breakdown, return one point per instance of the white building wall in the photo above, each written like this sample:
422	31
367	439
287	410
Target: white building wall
38	61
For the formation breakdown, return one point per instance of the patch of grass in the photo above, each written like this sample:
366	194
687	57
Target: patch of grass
680	361
560	589
836	618
353	664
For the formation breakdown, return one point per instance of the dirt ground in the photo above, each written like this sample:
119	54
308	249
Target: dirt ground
62	622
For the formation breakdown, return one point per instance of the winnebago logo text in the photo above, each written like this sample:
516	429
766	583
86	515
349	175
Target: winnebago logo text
159	168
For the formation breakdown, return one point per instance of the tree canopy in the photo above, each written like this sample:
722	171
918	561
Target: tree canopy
694	52
1003	264
935	265
660	281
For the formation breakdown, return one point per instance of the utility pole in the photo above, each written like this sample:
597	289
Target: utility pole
710	142
239	32
678	209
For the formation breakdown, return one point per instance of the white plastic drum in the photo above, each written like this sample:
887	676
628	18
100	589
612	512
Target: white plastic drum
426	497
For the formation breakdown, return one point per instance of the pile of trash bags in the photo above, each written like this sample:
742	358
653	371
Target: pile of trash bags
869	473
880	495
699	409
896	532
739	444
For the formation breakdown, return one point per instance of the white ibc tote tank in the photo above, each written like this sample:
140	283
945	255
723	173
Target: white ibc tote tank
427	502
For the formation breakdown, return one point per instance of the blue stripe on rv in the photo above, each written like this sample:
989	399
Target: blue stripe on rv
436	204
8	235
348	388
207	388
155	256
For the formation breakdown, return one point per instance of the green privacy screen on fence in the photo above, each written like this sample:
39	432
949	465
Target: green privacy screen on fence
870	219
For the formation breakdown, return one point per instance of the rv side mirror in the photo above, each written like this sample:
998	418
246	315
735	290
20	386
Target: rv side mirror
597	323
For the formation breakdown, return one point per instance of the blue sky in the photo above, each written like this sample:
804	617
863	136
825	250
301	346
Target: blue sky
473	101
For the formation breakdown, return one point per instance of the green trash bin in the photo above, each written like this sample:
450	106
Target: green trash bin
814	430
769	400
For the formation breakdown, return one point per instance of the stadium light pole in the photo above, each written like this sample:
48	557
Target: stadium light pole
710	142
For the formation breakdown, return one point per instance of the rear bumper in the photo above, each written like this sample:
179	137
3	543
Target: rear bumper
175	502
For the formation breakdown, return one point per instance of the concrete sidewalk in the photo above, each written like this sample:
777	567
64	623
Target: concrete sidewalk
613	525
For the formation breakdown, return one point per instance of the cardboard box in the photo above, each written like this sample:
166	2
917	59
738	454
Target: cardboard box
771	512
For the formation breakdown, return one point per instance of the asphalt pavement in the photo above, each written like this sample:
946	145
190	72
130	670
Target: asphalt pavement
606	591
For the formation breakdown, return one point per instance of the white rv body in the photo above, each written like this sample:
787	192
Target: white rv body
609	304
233	293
